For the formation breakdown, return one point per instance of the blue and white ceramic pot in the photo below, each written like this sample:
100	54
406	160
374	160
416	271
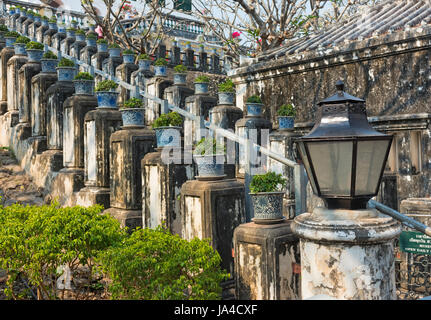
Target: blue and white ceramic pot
201	87
102	47
80	37
91	42
160	71
66	73
84	87
107	99
114	52
10	41
52	26
48	65
20	48
45	23
34	55
133	116
267	205
210	165
226	97
62	29
254	109
70	34
168	136
128	58
144	64
180	78
285	122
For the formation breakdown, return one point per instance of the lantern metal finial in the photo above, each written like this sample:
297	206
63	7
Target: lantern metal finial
340	85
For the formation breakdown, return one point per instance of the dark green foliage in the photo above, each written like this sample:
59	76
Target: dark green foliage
12	34
33	45
22	39
52	20
156	265
168	119
254	99
202	79
71	29
133	103
45	18
84	76
160	62
80	31
106	85
100	41
128	51
268	182
208	147
91	36
226	86
144	56
286	110
49	55
114	46
3	28
66	63
180	69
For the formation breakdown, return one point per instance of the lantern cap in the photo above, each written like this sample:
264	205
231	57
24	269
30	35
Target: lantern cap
341	96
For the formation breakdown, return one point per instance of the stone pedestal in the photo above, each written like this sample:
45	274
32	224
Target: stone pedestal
110	64
213	209
128	147
97	62
19	23
57	39
267	262
32	31
76	48
26	27
140	76
40	33
13	66
347	254
161	188
86	54
177	94
156	87
66	45
5	55
99	124
124	72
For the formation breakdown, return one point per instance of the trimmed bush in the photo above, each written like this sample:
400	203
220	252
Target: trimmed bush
286	110
12	34
226	86
84	76
268	182
102	41
133	103
22	39
254	99
144	56
49	55
160	62
114	46
168	119
209	146
180	69
202	79
33	45
106	85
66	63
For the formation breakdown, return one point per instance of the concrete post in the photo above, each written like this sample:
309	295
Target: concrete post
97	62
56	39
156	87
110	65
177	94
13	66
76	48
347	254
66	44
5	55
86	54
124	72
40	33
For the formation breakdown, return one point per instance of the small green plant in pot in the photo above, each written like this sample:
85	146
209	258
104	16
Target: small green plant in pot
180	74
160	67
144	61
114	50
254	105
66	70
106	94
209	156
133	113
34	51
201	84
49	62
128	56
20	44
286	116
266	191
168	129
84	84
226	92
11	37
102	45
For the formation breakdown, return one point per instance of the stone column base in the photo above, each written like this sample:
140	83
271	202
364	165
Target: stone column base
127	218
3	107
66	184
89	196
54	158
38	143
23	131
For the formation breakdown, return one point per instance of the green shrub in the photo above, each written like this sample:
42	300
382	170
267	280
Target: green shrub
33	45
35	242
168	119
128	51
154	264
254	99
226	86
3	28
160	62
114	46
133	103
106	85
45	18
101	41
144	56
22	39
84	76
286	110
71	29
208	147
12	34
180	69
52	20
80	31
49	55
202	79
268	182
91	36
66	63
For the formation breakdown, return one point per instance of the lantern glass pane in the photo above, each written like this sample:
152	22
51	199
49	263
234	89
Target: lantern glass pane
332	163
369	163
307	166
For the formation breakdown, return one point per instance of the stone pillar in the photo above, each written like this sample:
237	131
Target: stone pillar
267	262
347	254
140	77
124	72
215	63
66	44
5	55
19	23
86	55
156	87
203	64
190	58
176	55
33	30
128	147
76	48
39	86
110	64
13	66
26	73
213	209
40	33
97	62
53	38
161	188
161	51
99	125
26	26
177	94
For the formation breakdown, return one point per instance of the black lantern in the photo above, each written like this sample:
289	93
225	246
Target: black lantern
343	155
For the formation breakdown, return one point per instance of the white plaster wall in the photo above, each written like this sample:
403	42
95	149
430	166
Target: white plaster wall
193	218
90	150
157	206
68	137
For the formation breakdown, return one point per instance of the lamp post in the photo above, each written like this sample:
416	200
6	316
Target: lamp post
346	249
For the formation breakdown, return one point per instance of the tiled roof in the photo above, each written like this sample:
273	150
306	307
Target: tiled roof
383	18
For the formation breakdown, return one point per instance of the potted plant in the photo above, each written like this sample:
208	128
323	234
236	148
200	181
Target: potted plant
70	32
106	94
49	62
3	30
102	45
209	157
254	105
201	84
74	23
286	116
132	112
128	56
168	130
91	27
45	21
61	28
144	61
160	67
91	40
80	35
226	92
20	44
34	51
52	23
66	70
37	18
188	45
267	196
180	74
10	38
84	84
114	50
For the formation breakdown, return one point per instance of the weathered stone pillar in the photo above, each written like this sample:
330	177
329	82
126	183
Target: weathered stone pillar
161	188
215	63
110	64
19	22
267	262
26	26
140	76
66	43
53	38
156	87
176	56
77	46
347	254
213	209
203	64
86	54
99	125
190	58
177	94
32	30
97	62
124	72
13	66
128	147
40	32
14	20
5	55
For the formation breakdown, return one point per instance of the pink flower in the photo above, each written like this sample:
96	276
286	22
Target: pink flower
236	34
99	31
